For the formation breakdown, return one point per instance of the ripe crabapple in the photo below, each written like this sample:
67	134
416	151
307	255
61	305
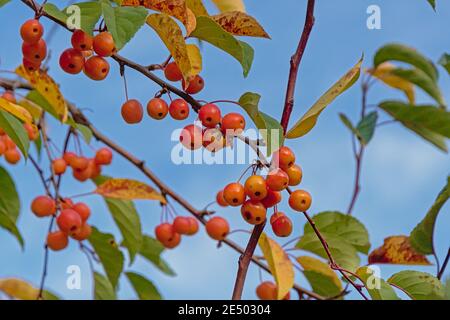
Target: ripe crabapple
193	226
71	61
233	123
12	156
68	157
253	212
255	187
43	206
191	137
83	233
209	115
277	180
59	166
57	240
217	228
234	194
132	111
172	72
282	226
32	131
83	210
195	85
220	199
272	198
181	225
166	234
35	52
103	156
275	216
295	175
81	40
79	163
69	221
96	68
31	66
300	200
284	158
157	108
269	291
179	109
103	44
31	31
66	203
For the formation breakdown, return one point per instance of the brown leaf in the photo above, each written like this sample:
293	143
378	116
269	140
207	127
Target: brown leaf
127	189
397	250
240	24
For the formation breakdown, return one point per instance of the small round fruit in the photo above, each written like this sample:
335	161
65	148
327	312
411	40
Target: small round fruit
213	140
43	206
275	216
166	234
255	187
83	210
32	131
157	108
221	200
193	226
172	72
209	115
269	291
253	212
31	66
272	198
57	240
59	166
68	157
96	68
217	228
71	61
103	156
12	156
103	44
181	225
282	226
179	109
9	95
233	122
295	175
35	52
195	85
83	233
79	163
69	221
31	31
81	40
132	111
300	200
234	194
66	203
82	175
191	137
277	180
283	158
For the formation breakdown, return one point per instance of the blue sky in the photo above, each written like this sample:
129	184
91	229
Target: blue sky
401	174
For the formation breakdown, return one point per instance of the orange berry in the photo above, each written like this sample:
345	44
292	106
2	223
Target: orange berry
95	169
66	203
232	122
282	226
275	216
217	228
283	158
59	166
277	180
191	137
103	156
43	206
179	109
83	233
157	108
9	95
193	226
83	174
267	291
234	194
300	200
31	31
34	52
255	187
253	212
69	221
71	61
195	85
57	240
31	66
96	68
81	40
68	157
132	111
166	234
295	175
172	72
182	225
32	131
79	163
220	199
12	156
9	143
210	115
272	198
83	210
103	44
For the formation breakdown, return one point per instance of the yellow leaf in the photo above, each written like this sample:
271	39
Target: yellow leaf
47	87
32	108
170	33
197	7
309	120
383	73
279	264
230	5
16	110
174	8
127	189
397	250
241	24
18	289
313	264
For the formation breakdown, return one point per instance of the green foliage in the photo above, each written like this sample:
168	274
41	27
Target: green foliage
9	205
378	288
365	129
15	130
143	287
151	250
103	289
3	2
418	285
432	3
445	62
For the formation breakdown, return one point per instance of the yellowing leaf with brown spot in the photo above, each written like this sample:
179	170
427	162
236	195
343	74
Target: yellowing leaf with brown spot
279	264
16	110
128	189
197	7
18	289
174	8
48	88
229	5
383	73
170	33
313	264
240	24
397	250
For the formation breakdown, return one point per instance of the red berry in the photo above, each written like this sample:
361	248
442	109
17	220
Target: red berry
43	206
300	200
277	180
79	163
132	111
83	210
96	68
81	40
283	158
72	61
272	198
191	137
103	44
179	109
69	221
34	52
275	216
255	187
59	166
220	199
282	226
193	226
210	115
253	212
172	72
83	233
57	240
103	156
68	157
181	225
234	194
233	123
166	234
12	156
217	228
31	66
195	85
295	175
157	108
269	291
31	31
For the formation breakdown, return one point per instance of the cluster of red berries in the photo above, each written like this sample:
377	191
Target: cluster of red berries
81	58
259	194
71	221
83	168
173	73
34	48
170	234
269	291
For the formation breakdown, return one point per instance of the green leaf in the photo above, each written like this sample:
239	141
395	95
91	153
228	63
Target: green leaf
90	14
347	122
3	2
366	127
447	288
48	295
15	130
9	205
421	237
378	288
85	131
197	7
35	97
8	224
432	3
109	254
127	219
309	119
410	120
123	22
418	285
210	31
103	289
398	52
151	250
144	288
445	62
